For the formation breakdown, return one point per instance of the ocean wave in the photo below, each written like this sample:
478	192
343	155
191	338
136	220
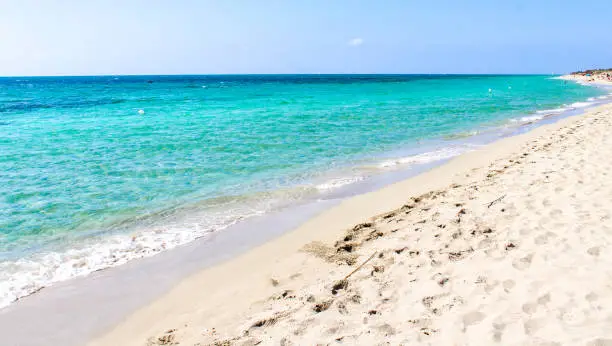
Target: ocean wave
22	277
581	104
528	119
541	114
554	111
338	182
423	158
28	275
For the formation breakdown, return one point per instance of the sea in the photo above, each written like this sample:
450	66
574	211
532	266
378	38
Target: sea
98	171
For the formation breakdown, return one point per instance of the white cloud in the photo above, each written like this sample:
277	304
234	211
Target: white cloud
357	41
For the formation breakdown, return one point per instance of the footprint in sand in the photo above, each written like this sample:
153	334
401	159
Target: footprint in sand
541	239
555	213
508	285
545	299
591	297
594	251
531	326
472	318
530	308
523	263
498	330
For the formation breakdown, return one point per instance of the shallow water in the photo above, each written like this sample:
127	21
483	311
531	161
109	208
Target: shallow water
100	170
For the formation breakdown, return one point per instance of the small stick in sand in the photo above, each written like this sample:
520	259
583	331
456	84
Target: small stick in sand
495	201
342	284
360	266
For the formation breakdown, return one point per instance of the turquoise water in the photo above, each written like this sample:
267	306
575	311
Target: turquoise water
98	170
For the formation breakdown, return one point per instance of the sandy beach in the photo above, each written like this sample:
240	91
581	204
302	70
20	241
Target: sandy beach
504	245
286	173
601	77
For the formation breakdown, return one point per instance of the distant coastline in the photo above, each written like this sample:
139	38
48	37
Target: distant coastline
598	76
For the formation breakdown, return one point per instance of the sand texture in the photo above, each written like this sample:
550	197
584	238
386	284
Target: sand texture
512	252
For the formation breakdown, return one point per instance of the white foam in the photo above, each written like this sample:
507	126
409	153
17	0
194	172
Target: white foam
554	111
602	97
581	104
541	114
591	99
423	158
529	119
25	276
338	182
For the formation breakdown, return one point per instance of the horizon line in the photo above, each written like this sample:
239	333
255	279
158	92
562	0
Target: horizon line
285	74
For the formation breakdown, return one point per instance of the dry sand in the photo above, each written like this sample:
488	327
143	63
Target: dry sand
598	78
507	245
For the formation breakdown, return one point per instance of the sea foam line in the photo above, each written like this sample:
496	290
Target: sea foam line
581	104
338	182
554	110
25	276
428	157
530	119
541	114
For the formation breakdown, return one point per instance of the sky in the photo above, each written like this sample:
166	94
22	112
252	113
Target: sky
95	37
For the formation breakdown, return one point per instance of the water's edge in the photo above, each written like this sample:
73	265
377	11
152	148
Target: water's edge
399	166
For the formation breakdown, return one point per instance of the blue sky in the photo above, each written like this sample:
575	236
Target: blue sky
73	37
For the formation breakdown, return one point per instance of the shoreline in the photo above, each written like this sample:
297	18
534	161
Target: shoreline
228	290
231	287
373	173
288	243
